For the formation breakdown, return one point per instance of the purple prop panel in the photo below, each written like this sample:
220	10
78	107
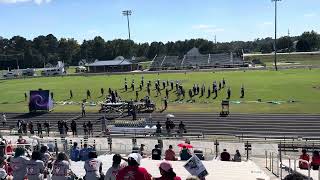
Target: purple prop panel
40	100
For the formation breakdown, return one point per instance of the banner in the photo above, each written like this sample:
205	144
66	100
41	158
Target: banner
195	167
40	100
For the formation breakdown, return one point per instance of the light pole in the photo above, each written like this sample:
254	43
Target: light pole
128	13
275	33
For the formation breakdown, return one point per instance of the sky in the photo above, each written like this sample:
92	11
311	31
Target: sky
157	20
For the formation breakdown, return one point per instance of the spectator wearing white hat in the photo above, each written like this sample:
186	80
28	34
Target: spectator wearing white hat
133	171
167	172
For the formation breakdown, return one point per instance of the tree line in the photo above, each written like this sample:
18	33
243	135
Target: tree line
48	49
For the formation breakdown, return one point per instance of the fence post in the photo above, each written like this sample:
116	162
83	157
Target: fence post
216	144
271	164
289	165
295	165
266	154
308	172
319	174
247	150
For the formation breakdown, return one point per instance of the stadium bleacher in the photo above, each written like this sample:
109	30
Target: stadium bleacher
193	59
217	169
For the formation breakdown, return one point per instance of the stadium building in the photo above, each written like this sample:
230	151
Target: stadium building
119	64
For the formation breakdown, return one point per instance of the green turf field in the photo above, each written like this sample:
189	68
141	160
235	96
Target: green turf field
301	85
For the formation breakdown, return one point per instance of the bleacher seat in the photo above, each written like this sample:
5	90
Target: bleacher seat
217	169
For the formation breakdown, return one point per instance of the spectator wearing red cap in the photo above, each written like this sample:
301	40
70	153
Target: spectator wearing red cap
167	172
133	171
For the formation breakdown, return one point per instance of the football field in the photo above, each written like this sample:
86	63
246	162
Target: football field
285	91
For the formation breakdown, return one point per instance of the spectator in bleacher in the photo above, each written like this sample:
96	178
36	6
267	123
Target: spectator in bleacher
35	167
2	148
4	119
47	127
237	156
170	155
30	125
74	128
156	153
182	128
306	157
61	167
93	167
85	128
90	128
84	152
114	169
133	171
39	128
167	172
66	128
45	155
167	123
24	126
60	127
141	150
315	160
185	154
21	140
3	172
19	164
158	130
294	176
75	152
192	178
225	156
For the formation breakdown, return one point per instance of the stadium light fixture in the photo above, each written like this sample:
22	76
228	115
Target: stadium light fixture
127	13
275	33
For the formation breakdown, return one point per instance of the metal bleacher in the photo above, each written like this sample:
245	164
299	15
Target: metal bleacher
224	60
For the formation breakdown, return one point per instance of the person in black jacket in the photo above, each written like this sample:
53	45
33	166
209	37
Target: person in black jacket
156	153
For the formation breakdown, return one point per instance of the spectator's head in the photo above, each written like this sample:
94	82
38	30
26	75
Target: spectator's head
294	176
166	170
156	146
36	155
20	137
142	145
181	122
20	151
170	147
316	153
116	159
224	150
134	159
43	149
62	157
184	147
192	178
304	151
75	144
85	145
92	154
237	152
158	122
